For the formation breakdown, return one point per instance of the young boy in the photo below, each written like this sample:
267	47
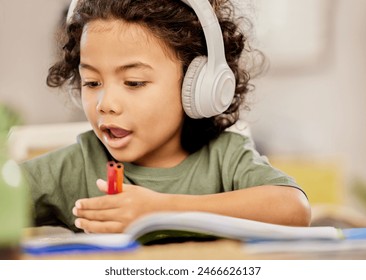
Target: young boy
129	61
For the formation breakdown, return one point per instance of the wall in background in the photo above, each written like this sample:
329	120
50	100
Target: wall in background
314	108
27	43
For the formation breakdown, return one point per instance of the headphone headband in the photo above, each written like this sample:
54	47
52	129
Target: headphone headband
71	9
211	28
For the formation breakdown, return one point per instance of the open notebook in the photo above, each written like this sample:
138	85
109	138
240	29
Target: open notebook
177	226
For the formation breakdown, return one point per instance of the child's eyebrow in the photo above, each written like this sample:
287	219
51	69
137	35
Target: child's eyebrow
122	68
140	65
87	66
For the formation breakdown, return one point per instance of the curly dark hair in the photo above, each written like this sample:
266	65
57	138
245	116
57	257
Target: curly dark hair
177	25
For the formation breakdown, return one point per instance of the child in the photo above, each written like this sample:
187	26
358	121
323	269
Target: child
127	60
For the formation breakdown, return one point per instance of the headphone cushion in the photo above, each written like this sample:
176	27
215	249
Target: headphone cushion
190	89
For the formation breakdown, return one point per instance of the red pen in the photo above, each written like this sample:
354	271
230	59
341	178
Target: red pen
115	177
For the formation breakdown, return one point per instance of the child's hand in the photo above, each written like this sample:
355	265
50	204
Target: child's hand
112	213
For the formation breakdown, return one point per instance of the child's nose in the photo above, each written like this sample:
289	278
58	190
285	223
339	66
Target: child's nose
109	103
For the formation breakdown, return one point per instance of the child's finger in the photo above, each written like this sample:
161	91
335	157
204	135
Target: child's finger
98	226
98	203
102	185
96	215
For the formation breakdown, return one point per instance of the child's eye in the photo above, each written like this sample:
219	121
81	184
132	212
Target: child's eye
135	84
92	84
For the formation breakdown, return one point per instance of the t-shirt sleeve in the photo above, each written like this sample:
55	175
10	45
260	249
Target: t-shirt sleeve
247	168
51	204
57	179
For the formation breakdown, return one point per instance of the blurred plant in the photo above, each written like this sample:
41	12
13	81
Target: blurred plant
13	195
8	118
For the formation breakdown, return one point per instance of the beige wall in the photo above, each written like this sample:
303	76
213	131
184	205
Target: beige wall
320	110
26	48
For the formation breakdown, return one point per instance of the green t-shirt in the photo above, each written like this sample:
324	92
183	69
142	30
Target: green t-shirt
59	178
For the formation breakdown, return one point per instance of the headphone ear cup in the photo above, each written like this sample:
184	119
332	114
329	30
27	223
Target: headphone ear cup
190	89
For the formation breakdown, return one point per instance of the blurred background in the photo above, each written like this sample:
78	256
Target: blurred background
307	111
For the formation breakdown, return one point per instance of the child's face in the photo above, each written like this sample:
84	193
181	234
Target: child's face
131	93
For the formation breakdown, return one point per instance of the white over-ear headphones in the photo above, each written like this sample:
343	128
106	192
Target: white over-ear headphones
209	83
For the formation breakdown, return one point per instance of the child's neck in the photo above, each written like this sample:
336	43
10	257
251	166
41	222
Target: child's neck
164	161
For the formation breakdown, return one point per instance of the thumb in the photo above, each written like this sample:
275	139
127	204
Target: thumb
102	185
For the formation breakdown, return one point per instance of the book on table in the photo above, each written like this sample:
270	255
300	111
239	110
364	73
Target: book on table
163	227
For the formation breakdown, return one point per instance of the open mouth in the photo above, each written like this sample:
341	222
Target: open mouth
115	137
114	132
